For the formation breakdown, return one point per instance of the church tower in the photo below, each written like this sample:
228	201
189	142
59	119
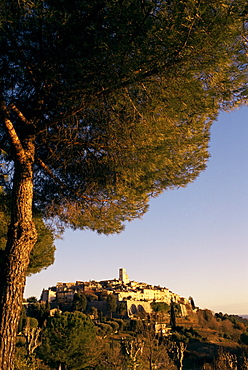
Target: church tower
123	276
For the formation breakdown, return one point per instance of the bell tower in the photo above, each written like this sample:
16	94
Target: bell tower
123	276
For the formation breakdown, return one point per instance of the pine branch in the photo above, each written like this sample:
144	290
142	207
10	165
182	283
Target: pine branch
14	138
48	170
19	114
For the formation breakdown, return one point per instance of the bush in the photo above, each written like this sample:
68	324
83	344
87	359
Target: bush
114	325
32	322
122	324
136	325
207	319
160	307
104	329
244	338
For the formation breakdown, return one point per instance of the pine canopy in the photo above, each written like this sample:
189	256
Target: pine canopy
120	96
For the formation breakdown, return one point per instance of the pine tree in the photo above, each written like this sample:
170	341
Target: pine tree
111	303
104	105
68	340
79	302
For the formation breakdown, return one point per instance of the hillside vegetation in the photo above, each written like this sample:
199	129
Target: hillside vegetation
161	340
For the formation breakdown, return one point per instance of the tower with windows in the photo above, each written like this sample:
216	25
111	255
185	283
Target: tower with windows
123	276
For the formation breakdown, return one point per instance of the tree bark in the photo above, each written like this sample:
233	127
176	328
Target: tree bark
22	237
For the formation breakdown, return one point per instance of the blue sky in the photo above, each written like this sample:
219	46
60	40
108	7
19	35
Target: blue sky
193	240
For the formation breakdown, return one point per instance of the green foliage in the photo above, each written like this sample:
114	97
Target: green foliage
31	322
116	99
244	338
68	339
121	96
122	308
114	325
121	323
136	325
94	312
182	334
24	363
111	303
91	297
233	318
22	319
39	311
104	329
179	337
191	300
42	255
79	302
32	299
173	315
230	327
160	307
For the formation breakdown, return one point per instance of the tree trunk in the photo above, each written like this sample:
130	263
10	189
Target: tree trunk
21	239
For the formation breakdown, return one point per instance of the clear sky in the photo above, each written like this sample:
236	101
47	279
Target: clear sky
193	240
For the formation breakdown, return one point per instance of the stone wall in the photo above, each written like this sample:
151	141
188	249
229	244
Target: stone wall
138	307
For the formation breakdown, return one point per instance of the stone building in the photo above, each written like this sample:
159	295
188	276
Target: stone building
137	295
123	276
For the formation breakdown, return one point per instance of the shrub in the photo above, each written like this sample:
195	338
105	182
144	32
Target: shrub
122	324
114	325
104	329
244	338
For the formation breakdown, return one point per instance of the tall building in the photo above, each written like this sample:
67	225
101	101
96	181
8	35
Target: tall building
123	276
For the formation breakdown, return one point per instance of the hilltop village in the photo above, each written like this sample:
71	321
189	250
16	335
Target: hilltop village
135	296
129	323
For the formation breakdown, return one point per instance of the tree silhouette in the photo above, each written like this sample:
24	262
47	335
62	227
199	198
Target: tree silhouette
111	303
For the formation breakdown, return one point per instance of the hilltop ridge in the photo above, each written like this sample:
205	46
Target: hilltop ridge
137	296
126	313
